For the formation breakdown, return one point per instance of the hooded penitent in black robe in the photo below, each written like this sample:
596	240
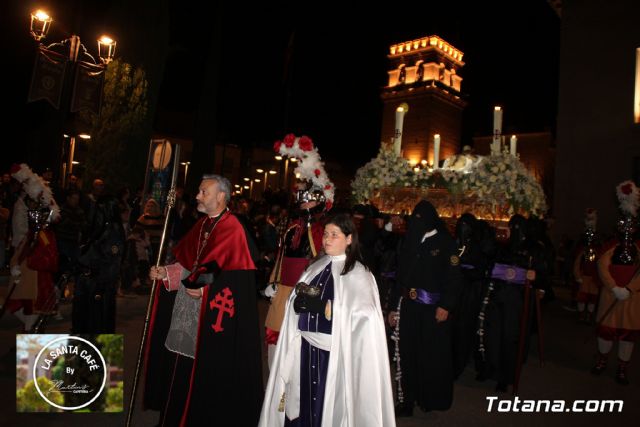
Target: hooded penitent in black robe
222	384
97	270
476	243
505	305
431	265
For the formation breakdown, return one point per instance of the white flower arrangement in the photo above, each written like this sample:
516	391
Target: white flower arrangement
385	170
499	180
310	166
502	179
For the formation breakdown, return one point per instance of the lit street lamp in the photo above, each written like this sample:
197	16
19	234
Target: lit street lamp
40	24
66	75
285	176
49	74
265	177
251	188
271	172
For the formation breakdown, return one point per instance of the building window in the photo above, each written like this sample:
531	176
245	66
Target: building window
636	97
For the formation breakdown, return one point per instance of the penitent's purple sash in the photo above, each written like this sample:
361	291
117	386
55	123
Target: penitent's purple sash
509	273
421	296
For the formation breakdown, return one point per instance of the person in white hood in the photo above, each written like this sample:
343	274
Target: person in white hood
331	364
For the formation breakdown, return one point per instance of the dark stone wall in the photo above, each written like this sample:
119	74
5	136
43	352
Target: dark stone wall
597	139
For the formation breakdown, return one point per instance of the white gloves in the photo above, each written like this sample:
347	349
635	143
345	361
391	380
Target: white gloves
270	290
621	293
15	271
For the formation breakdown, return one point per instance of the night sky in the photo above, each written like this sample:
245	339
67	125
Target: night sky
318	70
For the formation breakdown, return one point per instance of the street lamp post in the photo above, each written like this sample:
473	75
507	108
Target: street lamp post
285	176
271	172
67	62
265	177
251	188
186	171
67	167
248	187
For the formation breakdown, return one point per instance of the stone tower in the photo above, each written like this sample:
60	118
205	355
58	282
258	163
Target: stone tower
423	75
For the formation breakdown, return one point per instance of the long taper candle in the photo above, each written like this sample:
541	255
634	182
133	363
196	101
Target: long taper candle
397	141
436	150
497	130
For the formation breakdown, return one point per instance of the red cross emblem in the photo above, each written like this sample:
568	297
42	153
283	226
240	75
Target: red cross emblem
223	301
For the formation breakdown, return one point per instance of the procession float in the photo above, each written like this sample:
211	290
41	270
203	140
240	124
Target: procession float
492	188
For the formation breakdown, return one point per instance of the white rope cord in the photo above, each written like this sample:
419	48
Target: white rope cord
396	355
481	319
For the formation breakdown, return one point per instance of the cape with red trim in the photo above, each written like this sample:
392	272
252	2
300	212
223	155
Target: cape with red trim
224	381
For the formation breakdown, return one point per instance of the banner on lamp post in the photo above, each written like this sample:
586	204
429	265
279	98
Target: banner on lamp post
160	169
87	87
47	81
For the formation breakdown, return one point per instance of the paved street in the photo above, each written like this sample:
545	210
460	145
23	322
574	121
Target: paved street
565	376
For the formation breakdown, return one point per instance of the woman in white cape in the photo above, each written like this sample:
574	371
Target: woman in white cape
331	364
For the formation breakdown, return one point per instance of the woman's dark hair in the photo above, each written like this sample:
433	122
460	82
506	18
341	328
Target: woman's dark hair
345	223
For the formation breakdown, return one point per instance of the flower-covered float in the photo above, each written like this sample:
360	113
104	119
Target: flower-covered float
490	187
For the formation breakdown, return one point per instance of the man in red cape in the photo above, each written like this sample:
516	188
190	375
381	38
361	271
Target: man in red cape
203	362
618	316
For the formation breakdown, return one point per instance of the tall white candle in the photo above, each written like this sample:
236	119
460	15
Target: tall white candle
497	120
497	129
400	112
512	145
436	150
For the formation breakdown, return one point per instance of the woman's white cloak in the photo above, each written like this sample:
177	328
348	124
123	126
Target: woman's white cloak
358	387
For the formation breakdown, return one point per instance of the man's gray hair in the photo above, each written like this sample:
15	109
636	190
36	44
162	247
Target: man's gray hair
223	184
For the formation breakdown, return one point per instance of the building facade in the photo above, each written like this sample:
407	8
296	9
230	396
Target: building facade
423	76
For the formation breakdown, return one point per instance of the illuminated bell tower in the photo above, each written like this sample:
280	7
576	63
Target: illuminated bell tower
424	76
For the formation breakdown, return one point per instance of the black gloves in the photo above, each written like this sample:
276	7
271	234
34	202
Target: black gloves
203	275
307	304
308	299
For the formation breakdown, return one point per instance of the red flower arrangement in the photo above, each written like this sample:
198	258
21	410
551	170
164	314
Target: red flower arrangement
305	143
289	140
310	166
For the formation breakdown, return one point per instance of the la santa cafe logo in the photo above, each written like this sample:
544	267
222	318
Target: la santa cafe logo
72	347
